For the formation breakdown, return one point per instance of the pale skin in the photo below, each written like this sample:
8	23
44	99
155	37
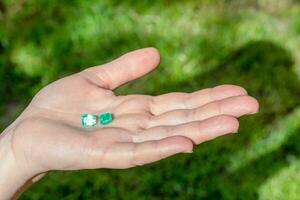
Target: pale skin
49	136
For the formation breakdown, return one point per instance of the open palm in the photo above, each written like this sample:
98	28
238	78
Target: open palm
49	134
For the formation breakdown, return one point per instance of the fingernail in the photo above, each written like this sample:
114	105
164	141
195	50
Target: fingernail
188	151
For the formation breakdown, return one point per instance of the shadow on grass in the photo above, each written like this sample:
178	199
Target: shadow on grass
266	71
255	173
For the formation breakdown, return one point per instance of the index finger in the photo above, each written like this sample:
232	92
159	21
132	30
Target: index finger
179	100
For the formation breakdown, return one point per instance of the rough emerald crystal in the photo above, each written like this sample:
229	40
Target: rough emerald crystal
89	120
105	118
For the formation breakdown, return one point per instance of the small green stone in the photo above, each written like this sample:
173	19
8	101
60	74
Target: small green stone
105	118
89	120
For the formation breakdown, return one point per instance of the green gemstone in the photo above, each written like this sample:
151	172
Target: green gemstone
105	118
89	120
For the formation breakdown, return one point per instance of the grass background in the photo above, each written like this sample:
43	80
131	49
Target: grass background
253	43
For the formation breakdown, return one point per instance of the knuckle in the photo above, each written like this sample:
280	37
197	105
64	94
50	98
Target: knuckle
217	106
152	105
97	75
135	159
147	122
191	115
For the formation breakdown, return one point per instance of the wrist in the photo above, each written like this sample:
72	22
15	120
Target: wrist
12	175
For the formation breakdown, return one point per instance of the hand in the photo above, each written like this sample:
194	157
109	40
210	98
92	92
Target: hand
145	129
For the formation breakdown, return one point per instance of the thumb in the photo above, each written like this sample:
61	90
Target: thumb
128	67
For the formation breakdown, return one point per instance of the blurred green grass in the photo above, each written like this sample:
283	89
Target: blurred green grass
253	43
